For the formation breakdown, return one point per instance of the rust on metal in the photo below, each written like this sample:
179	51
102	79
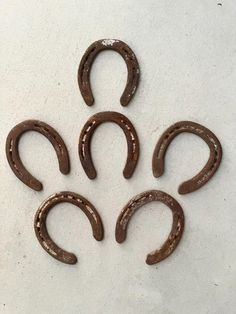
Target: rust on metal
88	58
177	226
12	151
41	229
86	136
209	169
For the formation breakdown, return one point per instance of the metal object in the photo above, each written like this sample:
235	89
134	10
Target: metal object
41	229
88	58
177	226
86	135
13	157
209	169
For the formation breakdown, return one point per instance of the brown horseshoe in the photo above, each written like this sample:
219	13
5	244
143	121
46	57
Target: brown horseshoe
41	229
177	226
88	58
86	135
13	157
209	169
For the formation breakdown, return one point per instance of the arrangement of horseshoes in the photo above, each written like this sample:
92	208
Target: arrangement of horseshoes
84	151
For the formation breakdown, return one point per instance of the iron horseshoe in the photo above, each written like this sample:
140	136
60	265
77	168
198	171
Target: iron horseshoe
88	58
209	169
41	229
177	226
86	136
13	157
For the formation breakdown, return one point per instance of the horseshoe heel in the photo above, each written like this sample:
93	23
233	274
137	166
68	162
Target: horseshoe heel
13	157
177	226
86	135
41	229
86	62
209	169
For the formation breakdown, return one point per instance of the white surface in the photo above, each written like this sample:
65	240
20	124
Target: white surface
187	55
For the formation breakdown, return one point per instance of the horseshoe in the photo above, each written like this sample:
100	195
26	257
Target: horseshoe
86	135
41	229
177	226
209	169
13	157
88	58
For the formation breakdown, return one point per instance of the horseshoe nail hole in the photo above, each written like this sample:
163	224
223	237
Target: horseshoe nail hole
11	145
45	129
60	147
16	168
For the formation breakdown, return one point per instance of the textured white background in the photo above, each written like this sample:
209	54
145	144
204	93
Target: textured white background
187	55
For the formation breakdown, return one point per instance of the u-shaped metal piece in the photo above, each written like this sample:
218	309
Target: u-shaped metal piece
13	157
86	136
41	229
177	226
88	58
209	169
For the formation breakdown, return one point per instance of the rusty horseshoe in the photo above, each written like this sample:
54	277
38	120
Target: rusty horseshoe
88	58
209	169
86	136
177	226
41	229
13	157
